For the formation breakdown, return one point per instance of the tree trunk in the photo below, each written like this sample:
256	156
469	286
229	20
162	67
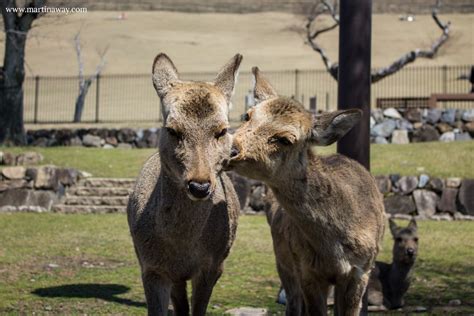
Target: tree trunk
81	99
12	75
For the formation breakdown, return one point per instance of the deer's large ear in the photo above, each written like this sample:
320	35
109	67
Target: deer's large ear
393	227
164	74
330	127
412	225
262	89
227	77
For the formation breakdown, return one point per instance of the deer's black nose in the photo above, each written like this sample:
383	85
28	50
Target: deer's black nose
410	251
234	151
199	190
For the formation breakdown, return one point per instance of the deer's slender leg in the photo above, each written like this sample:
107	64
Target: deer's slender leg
349	293
157	293
179	298
294	299
315	298
203	283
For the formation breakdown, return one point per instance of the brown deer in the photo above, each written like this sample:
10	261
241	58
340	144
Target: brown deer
390	282
183	211
333	218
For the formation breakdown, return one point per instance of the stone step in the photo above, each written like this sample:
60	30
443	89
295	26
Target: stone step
88	209
93	191
107	182
96	200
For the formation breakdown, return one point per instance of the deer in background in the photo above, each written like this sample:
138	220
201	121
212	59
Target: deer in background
389	282
183	211
333	214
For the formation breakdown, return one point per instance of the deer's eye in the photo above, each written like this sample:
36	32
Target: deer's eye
221	133
174	133
280	140
246	117
398	239
415	239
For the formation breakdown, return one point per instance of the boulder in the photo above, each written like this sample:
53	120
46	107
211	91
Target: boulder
14	173
383	184
466	197
384	129
46	178
392	113
13	184
91	141
432	116
75	141
469	127
404	125
9	159
447	137
400	137
413	115
423	180
426	133
394	178
453	182
399	204
425	202
28	198
377	114
444	127
447	203
417	125
442	217
152	139
111	140
29	158
380	140
372	122
108	146
436	184
407	184
126	135
468	115
462	136
448	116
67	176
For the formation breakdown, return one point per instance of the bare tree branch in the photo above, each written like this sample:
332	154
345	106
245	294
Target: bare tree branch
311	35
84	84
332	67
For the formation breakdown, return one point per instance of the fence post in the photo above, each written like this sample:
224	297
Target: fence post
296	84
35	118
97	93
445	78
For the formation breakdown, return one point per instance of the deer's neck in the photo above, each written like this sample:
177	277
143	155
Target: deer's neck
177	215
399	281
303	191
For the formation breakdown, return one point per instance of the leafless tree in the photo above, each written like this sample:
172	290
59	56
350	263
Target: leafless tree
12	74
328	7
85	83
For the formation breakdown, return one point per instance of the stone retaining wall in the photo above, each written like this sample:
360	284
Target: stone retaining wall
388	126
49	188
35	189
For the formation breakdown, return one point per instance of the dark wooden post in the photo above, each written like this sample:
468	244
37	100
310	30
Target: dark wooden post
354	81
354	75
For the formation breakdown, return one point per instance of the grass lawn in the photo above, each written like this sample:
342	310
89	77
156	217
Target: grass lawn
435	158
71	264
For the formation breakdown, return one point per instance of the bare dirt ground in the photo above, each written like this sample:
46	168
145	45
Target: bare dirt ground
203	42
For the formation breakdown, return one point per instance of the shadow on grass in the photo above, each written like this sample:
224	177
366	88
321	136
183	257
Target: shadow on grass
107	292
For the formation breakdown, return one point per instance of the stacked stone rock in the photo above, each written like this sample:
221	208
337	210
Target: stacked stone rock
416	125
427	198
34	189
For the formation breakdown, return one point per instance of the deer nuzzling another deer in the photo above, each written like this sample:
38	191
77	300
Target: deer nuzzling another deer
333	212
183	211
